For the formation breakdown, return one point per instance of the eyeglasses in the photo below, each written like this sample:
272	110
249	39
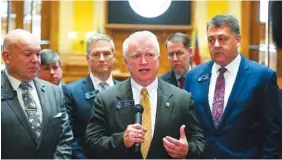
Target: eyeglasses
139	56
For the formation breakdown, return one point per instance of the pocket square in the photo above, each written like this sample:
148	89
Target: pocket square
58	115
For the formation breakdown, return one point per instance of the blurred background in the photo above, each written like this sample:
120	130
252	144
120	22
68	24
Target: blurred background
64	26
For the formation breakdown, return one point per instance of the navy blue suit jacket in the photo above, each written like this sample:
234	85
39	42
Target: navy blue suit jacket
250	126
79	97
169	77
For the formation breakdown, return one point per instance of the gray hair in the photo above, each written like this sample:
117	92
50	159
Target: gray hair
223	19
179	37
140	35
48	56
97	37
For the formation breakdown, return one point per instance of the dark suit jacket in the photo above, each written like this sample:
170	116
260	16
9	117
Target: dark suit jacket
169	77
17	139
104	133
250	126
79	97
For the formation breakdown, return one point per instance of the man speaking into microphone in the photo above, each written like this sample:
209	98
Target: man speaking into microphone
169	129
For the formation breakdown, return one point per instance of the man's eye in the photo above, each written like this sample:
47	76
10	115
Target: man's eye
211	40
45	68
107	54
27	54
151	55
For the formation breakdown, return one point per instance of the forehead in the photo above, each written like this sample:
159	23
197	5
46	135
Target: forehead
100	45
56	63
141	46
173	45
24	45
219	30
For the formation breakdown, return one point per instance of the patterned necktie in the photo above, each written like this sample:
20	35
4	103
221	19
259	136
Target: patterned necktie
104	85
218	99
146	122
181	82
31	111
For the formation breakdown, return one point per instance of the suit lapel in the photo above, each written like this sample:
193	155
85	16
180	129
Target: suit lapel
126	114
15	105
241	79
115	81
173	79
164	107
88	87
44	102
205	91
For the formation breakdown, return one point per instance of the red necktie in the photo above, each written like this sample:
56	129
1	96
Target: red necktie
218	99
181	82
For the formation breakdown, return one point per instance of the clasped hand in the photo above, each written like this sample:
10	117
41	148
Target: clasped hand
133	134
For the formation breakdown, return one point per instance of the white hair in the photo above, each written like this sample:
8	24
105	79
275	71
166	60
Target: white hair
140	36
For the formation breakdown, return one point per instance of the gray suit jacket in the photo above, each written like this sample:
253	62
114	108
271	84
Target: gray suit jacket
111	116
17	139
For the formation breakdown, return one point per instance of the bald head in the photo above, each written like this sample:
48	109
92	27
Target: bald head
21	54
17	37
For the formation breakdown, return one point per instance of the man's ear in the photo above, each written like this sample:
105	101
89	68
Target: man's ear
190	52
114	54
6	57
238	39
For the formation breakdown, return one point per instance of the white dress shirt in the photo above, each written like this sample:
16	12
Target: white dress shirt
96	82
32	90
229	75
152	95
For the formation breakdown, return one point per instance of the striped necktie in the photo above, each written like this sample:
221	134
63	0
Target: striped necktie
104	85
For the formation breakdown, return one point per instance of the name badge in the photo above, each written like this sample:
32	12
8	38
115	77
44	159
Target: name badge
124	104
91	94
203	78
8	95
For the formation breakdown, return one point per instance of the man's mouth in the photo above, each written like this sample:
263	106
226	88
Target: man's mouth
144	70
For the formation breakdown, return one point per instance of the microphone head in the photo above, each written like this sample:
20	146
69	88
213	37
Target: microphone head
139	108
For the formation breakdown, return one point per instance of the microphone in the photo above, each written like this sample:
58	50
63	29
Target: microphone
138	119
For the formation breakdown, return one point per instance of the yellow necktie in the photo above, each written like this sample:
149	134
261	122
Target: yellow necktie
146	122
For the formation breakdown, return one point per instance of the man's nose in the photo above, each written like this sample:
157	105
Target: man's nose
143	59
174	57
102	58
52	71
216	44
35	58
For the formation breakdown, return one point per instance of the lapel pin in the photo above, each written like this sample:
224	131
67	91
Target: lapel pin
203	78
43	88
167	104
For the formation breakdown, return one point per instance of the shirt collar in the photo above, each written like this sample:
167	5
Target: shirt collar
16	83
109	81
178	76
233	64
150	88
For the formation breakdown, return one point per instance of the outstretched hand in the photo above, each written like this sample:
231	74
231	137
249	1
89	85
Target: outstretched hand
177	148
